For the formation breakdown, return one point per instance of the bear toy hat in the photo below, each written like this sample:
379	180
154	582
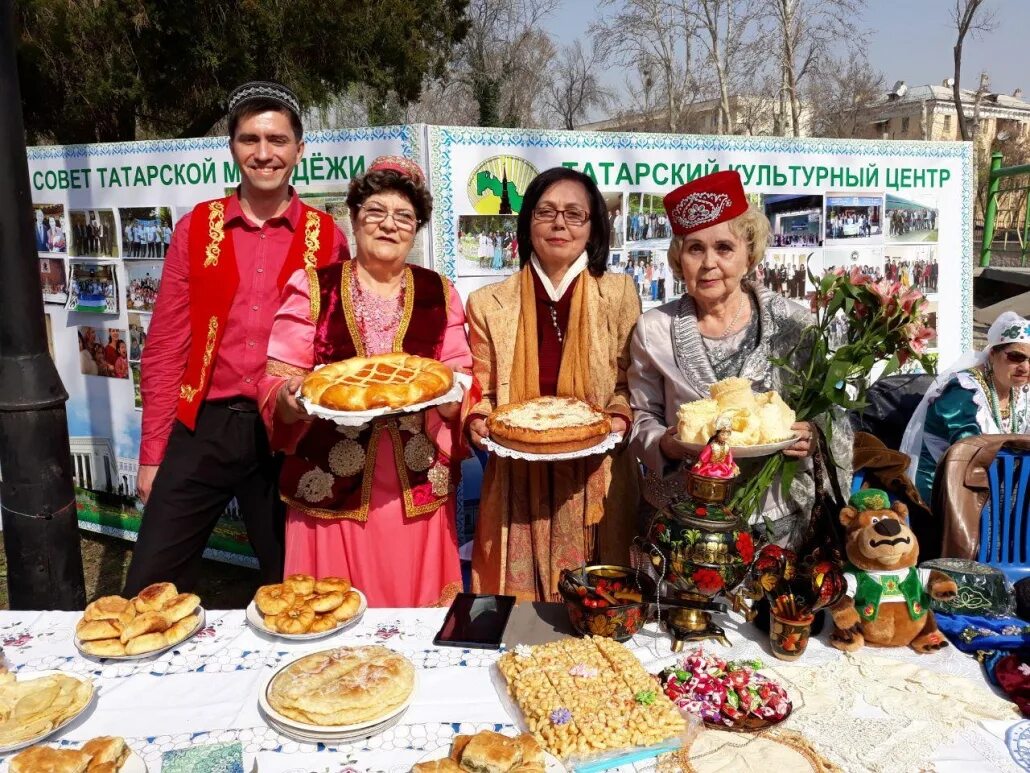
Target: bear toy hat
888	597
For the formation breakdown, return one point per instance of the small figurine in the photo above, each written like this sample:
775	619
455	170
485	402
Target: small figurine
716	459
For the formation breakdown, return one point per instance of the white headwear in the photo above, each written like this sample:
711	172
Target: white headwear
1008	328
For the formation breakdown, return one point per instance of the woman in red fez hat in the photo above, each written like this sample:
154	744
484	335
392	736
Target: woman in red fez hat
723	326
375	504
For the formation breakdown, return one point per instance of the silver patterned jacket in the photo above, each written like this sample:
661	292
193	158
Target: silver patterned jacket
670	366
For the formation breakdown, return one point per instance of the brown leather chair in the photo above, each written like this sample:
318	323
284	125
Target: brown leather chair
960	490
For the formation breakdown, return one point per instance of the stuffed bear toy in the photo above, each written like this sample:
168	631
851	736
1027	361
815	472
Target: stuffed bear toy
887	603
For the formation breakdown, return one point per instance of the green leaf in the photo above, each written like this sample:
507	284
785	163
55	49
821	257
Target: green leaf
790	471
893	366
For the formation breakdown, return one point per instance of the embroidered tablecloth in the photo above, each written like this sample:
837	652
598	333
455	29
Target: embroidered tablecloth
206	691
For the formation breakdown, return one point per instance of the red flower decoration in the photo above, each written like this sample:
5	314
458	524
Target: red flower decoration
701	511
746	547
659	527
708	581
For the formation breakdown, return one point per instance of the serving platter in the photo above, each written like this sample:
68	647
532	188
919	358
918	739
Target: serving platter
462	382
201	619
58	727
750	452
257	621
607	444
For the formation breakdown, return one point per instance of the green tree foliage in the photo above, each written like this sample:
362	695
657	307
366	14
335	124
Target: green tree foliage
110	70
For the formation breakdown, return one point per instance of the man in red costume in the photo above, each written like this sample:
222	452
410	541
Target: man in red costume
203	442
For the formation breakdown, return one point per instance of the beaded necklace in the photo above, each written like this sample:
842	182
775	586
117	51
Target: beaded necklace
1012	414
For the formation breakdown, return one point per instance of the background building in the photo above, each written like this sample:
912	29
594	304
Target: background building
93	463
752	115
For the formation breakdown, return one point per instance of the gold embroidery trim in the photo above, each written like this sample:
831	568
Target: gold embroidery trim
187	392
215	232
411	510
447	594
312	227
279	368
409	307
348	309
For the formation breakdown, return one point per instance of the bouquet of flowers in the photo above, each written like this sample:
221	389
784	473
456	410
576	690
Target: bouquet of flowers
725	693
858	323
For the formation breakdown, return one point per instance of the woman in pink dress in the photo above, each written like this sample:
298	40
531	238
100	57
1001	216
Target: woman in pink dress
375	504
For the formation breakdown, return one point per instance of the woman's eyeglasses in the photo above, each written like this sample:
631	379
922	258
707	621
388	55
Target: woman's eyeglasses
404	219
1016	358
573	217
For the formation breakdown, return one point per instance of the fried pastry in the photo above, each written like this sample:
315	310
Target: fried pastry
94	630
274	599
323	623
45	759
144	623
325	602
106	749
110	608
330	584
180	606
350	606
148	642
105	648
153	597
296	619
695	421
490	752
300	584
181	629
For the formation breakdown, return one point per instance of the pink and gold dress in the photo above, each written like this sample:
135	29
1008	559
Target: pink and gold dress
374	504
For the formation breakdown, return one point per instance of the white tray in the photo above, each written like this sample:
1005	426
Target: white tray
56	728
152	653
551	763
603	447
257	621
326	730
462	382
749	452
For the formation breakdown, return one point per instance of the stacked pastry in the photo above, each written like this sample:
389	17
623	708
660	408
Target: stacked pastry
31	708
344	686
158	617
302	604
488	752
586	696
754	419
106	754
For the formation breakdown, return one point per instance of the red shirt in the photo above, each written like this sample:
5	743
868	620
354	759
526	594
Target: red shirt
242	353
549	347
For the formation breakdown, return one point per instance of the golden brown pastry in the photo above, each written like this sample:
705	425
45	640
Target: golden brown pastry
323	623
490	752
330	584
32	707
350	606
110	608
297	619
153	597
458	744
45	759
391	380
105	648
446	765
93	630
181	629
274	599
180	606
532	751
325	602
301	584
547	424
145	622
148	642
107	749
103	767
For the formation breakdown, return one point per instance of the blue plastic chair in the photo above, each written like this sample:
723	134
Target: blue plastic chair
857	479
1004	521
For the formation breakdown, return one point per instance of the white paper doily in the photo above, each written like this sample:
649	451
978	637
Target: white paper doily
462	382
750	452
604	446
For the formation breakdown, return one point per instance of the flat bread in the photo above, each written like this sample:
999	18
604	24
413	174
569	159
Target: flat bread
31	707
549	425
344	686
392	380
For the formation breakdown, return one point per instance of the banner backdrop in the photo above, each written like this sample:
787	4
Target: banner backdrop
104	215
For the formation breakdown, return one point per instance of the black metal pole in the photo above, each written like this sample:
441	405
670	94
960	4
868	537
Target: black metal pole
37	500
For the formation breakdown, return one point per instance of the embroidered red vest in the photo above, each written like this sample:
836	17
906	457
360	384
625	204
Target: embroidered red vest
331	472
214	277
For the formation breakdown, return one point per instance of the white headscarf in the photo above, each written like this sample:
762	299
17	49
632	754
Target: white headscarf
1008	328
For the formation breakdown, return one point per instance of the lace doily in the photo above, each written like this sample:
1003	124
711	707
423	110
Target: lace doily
462	382
604	446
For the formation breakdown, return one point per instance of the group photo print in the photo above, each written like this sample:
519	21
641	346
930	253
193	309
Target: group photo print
54	280
854	219
48	228
138	324
647	224
487	244
616	207
796	219
103	352
146	231
868	260
911	219
650	272
94	287
93	233
784	272
143	281
912	266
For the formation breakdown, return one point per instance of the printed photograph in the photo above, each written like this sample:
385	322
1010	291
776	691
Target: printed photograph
93	233
616	219
931	322
49	335
144	280
103	351
869	260
913	266
487	244
54	280
93	287
137	396
49	228
647	225
785	273
855	219
146	231
650	272
796	220
616	260
912	218
138	324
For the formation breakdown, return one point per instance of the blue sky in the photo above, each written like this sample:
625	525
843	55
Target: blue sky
911	40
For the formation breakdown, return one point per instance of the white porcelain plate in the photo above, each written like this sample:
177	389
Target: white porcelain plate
257	621
200	624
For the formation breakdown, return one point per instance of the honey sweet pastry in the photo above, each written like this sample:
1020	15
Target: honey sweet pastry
274	599
325	602
548	425
300	584
330	584
350	606
392	380
153	597
296	619
180	606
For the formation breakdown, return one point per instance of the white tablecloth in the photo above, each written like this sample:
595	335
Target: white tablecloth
206	690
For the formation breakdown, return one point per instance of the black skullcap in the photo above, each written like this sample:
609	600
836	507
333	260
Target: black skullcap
275	92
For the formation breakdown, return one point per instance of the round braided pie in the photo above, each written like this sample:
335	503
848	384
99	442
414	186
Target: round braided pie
393	380
548	425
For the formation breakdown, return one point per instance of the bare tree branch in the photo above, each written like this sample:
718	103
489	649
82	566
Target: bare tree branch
968	20
575	89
